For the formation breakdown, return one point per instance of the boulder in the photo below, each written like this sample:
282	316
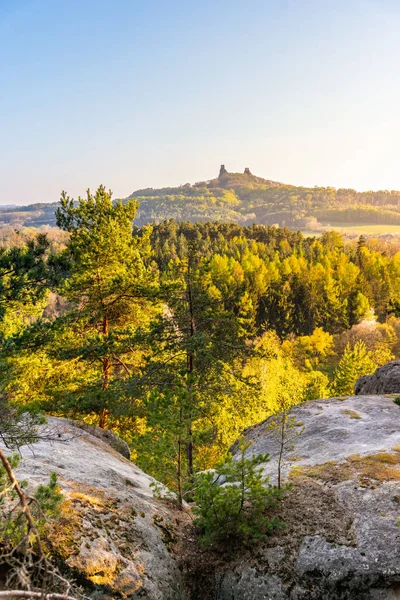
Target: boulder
342	537
113	534
385	380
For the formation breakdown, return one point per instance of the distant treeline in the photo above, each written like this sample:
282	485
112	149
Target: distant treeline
244	199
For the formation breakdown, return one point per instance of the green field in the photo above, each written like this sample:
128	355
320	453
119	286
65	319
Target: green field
358	229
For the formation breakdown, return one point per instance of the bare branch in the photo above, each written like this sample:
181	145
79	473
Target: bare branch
41	595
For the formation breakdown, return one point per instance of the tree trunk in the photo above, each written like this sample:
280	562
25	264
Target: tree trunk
106	379
179	475
189	374
281	449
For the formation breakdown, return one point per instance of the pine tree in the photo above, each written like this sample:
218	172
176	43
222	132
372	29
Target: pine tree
189	347
108	281
23	274
236	510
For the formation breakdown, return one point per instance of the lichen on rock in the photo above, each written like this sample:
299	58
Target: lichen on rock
108	534
342	538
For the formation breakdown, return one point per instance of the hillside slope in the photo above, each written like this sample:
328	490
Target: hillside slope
246	199
243	198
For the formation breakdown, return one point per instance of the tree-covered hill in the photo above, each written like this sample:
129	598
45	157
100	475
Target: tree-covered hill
245	199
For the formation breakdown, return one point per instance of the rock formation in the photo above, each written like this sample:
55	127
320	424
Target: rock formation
247	171
113	534
385	380
341	538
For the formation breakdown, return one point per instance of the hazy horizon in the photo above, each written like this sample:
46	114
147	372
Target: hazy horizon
137	95
175	185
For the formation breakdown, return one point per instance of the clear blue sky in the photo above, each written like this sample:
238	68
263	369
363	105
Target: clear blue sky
161	92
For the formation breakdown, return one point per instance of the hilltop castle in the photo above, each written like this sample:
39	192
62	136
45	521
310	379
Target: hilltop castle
223	171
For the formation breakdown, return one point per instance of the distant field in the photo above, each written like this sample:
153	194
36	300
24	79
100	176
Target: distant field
356	228
310	233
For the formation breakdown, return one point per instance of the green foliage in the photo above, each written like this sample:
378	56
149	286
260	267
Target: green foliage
80	357
49	499
45	506
18	428
196	337
24	276
244	198
355	362
234	503
397	400
277	279
181	335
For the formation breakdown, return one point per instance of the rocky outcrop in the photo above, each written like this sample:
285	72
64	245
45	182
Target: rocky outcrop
341	539
113	534
385	380
342	534
111	438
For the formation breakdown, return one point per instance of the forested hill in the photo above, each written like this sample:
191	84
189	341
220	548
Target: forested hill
245	199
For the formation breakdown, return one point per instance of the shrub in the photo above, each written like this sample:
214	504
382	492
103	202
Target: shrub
232	502
43	506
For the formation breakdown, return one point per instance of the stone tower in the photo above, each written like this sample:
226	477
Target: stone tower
247	171
222	171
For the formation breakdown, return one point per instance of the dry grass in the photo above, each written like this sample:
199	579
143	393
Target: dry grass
376	467
87	499
329	472
62	534
369	470
353	414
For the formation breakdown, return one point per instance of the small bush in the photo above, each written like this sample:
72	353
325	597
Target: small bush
237	509
49	500
44	506
397	400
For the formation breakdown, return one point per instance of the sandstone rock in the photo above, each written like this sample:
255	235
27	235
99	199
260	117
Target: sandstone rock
385	380
111	438
112	532
342	538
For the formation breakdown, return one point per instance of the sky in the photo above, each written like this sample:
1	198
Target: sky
152	93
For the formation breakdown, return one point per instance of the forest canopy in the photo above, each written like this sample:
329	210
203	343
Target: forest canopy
179	335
